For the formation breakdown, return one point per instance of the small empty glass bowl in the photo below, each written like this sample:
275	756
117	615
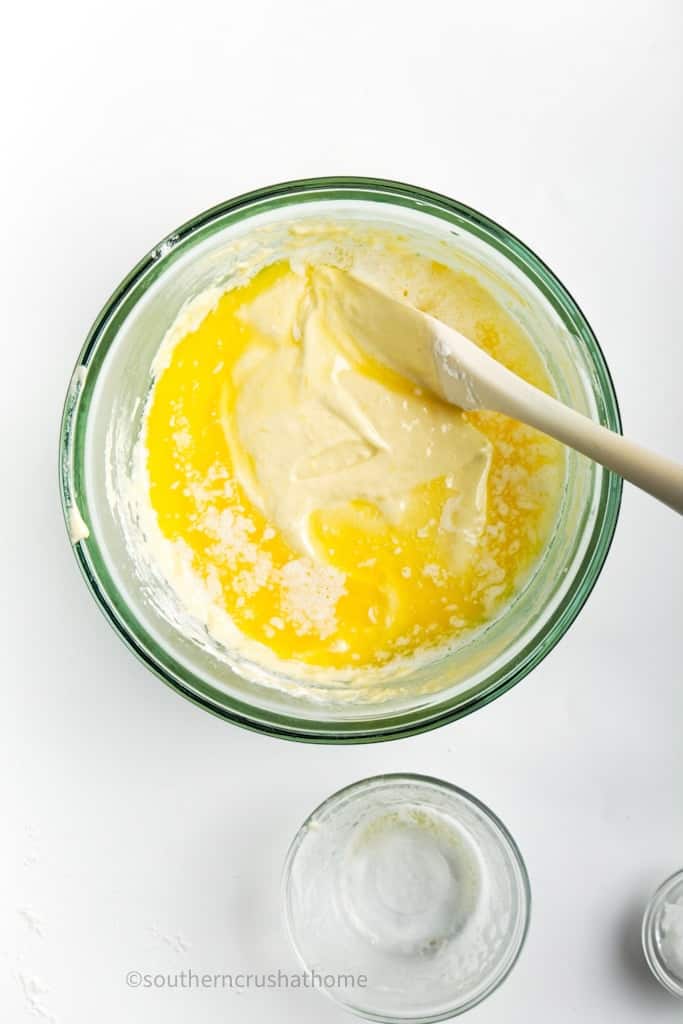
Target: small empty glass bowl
407	898
663	934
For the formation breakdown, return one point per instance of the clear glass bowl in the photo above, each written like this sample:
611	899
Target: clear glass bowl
662	934
408	897
102	415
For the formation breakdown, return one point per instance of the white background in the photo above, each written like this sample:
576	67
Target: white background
139	832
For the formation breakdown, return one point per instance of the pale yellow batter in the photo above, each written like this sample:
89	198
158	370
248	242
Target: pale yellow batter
322	509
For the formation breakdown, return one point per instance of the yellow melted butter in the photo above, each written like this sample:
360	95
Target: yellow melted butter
373	587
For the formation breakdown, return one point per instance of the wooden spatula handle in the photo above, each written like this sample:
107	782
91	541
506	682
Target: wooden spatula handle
653	473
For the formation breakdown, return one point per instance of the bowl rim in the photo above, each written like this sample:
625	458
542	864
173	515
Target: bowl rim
506	839
397	724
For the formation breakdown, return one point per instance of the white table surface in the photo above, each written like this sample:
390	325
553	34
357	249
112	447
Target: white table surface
140	833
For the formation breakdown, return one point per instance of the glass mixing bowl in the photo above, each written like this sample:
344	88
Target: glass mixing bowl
103	412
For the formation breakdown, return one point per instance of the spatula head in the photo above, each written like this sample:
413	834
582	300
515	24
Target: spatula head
410	342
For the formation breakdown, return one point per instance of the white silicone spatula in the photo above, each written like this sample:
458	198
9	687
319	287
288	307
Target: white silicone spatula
441	359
